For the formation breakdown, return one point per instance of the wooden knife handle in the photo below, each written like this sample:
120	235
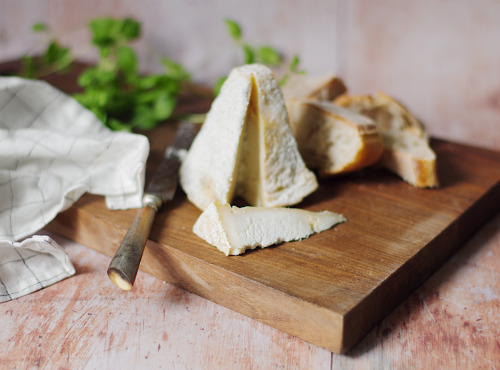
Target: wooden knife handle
123	267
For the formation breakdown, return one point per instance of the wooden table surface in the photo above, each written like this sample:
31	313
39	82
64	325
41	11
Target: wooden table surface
451	321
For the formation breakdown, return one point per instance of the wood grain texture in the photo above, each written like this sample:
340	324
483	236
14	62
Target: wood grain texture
85	322
451	321
332	288
329	289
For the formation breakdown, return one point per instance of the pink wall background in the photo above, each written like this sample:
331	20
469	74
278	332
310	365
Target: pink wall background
440	58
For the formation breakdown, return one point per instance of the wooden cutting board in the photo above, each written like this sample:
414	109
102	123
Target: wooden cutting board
329	289
332	288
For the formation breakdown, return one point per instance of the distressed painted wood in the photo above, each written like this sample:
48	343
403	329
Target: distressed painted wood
87	322
451	321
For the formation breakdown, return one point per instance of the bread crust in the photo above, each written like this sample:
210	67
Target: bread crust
321	129
322	88
407	149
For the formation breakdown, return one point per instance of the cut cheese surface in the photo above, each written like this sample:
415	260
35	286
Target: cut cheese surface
233	230
246	147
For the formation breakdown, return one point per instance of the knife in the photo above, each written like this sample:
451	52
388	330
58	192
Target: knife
123	267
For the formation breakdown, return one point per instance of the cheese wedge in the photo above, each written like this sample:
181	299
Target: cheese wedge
233	230
246	147
407	149
333	139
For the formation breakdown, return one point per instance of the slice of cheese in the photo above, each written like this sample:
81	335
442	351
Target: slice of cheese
246	147
407	149
333	139
233	230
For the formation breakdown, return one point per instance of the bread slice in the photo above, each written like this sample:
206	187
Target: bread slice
246	147
407	149
319	87
333	139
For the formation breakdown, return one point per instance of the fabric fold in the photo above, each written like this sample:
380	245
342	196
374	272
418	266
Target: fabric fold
52	151
31	265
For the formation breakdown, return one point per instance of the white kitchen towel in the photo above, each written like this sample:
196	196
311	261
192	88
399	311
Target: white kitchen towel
52	151
31	265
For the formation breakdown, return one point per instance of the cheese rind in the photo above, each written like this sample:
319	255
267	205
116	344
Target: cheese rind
246	147
233	230
208	170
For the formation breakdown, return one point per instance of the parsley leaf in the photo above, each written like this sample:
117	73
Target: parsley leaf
234	29
261	54
116	91
55	58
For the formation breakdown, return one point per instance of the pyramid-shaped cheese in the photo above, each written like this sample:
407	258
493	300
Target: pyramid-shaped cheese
246	147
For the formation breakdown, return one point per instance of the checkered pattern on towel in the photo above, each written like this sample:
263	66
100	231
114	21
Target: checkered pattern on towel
52	151
31	265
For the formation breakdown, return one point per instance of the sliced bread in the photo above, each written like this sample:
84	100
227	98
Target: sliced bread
407	150
332	139
319	87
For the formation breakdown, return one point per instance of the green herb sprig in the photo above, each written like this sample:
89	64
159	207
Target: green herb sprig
115	90
55	58
257	54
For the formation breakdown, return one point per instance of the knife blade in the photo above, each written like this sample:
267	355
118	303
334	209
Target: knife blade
123	267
